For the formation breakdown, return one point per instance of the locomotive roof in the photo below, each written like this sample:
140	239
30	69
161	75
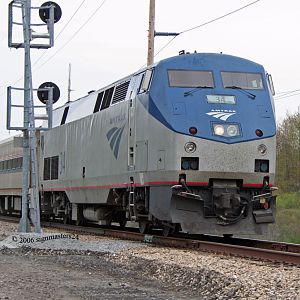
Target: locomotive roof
79	108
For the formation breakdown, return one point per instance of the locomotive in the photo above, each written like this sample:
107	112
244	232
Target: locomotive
187	144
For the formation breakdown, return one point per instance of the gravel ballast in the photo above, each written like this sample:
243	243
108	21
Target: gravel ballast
92	267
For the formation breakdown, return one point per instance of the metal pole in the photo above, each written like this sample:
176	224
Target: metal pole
150	58
24	225
35	200
69	84
29	136
35	212
30	197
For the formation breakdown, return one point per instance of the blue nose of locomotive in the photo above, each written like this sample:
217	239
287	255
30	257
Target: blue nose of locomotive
199	98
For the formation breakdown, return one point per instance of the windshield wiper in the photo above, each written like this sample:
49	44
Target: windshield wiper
250	95
197	89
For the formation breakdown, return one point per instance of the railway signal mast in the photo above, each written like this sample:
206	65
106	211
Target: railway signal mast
48	93
152	33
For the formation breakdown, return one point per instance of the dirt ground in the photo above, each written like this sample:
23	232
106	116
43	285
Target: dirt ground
93	267
27	274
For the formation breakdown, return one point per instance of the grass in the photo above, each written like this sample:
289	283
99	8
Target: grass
288	217
288	201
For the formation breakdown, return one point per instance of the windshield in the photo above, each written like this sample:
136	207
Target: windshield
250	81
192	79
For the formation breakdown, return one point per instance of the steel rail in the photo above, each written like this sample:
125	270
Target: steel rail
264	244
207	246
255	249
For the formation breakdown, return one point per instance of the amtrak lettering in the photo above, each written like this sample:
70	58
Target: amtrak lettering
117	119
222	114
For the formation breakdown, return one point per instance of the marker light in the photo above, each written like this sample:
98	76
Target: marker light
259	133
193	130
219	130
190	147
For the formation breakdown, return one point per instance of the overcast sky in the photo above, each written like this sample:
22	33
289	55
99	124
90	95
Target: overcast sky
113	42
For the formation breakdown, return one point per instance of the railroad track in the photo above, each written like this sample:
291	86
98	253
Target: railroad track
254	249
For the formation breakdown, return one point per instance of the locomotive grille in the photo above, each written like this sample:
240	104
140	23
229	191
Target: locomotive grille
120	92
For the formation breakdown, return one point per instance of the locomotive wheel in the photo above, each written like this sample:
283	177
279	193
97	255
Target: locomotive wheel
66	219
144	227
78	222
68	213
170	230
122	223
166	230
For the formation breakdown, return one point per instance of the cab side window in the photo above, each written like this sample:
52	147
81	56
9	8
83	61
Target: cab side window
146	81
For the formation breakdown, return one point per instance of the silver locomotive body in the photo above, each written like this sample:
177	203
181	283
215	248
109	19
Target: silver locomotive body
173	146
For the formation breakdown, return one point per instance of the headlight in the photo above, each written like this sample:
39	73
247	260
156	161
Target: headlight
233	130
219	130
262	149
190	147
226	130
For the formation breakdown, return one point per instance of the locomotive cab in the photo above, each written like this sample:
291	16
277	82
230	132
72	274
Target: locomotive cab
218	112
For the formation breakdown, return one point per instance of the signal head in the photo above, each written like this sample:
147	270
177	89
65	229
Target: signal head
45	12
44	95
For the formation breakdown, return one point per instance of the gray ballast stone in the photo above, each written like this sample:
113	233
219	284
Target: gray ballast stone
65	241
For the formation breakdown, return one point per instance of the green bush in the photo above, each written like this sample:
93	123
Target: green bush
288	217
289	201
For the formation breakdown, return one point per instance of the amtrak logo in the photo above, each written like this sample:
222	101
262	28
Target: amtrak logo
114	136
221	114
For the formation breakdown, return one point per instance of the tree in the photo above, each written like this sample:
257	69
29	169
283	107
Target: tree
288	154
